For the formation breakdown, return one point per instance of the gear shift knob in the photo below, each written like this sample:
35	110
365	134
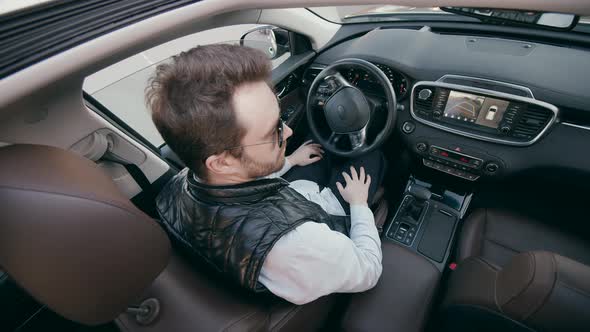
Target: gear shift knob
419	192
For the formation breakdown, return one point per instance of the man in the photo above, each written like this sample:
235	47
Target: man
215	109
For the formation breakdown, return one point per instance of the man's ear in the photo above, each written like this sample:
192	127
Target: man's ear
221	164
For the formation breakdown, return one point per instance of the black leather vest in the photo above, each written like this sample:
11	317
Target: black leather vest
235	227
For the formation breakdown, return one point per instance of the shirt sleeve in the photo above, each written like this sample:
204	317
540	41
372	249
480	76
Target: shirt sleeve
312	260
286	167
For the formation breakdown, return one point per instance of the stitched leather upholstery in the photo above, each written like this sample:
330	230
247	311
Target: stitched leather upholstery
542	290
517	274
498	235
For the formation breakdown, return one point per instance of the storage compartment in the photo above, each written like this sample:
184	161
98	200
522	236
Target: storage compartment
427	219
438	231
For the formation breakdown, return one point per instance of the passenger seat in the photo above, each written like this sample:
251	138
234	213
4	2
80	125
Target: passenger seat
517	274
497	236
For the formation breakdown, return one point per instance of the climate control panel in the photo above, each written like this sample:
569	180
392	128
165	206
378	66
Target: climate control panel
457	162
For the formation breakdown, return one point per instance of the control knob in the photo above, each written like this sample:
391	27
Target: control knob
505	129
424	94
492	167
421	147
437	113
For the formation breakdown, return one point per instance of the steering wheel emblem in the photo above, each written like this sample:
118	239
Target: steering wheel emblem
341	112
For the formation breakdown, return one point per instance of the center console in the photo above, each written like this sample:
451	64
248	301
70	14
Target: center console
482	114
416	247
427	219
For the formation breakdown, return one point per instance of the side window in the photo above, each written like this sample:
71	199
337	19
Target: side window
120	87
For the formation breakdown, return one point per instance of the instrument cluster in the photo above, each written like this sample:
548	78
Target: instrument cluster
364	80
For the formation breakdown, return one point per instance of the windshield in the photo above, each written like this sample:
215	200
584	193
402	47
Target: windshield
384	13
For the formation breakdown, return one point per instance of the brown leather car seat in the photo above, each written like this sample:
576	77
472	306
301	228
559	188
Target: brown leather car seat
196	301
74	242
498	235
70	238
535	291
517	274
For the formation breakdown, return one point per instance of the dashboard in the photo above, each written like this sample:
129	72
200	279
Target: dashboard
479	108
365	81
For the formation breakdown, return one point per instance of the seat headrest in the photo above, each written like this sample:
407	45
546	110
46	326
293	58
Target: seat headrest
70	238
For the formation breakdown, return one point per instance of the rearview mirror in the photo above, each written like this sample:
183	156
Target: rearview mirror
273	41
548	20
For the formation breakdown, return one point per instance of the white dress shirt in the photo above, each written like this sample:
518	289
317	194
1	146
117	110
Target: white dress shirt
312	260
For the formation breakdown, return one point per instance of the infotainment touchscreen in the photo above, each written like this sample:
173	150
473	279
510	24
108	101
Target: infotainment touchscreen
476	109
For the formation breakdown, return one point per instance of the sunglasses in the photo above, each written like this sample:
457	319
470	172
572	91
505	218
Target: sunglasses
280	128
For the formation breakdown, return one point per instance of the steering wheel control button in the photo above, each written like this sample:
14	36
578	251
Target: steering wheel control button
408	127
492	168
424	94
422	147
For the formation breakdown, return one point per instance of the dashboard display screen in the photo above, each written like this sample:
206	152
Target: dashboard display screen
466	107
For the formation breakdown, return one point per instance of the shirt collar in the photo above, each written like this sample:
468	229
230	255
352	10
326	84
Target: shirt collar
247	192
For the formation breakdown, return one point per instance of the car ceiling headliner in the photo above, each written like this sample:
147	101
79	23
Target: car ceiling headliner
76	63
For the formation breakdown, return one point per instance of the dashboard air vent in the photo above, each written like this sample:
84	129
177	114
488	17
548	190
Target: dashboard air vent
423	104
310	74
532	121
286	85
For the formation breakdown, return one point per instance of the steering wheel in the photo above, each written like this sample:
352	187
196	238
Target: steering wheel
347	110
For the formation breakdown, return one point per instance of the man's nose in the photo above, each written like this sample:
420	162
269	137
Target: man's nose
288	131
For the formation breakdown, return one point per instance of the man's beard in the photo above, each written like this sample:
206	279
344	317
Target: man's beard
257	169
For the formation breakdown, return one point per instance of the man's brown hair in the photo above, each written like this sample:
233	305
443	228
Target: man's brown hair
191	100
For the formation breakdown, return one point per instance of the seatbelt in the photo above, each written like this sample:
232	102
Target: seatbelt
133	170
141	180
149	195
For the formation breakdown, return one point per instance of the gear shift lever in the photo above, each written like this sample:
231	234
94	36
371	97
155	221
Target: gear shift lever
420	193
416	205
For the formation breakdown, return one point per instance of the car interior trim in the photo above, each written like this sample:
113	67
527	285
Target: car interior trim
548	106
420	221
465	206
67	25
292	63
317	67
526	90
575	125
93	104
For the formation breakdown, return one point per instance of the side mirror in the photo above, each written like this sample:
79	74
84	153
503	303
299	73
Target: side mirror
273	41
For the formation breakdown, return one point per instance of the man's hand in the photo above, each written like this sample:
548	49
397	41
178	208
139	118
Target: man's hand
303	155
357	186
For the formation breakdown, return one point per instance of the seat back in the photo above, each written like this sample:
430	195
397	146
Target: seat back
538	291
70	238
